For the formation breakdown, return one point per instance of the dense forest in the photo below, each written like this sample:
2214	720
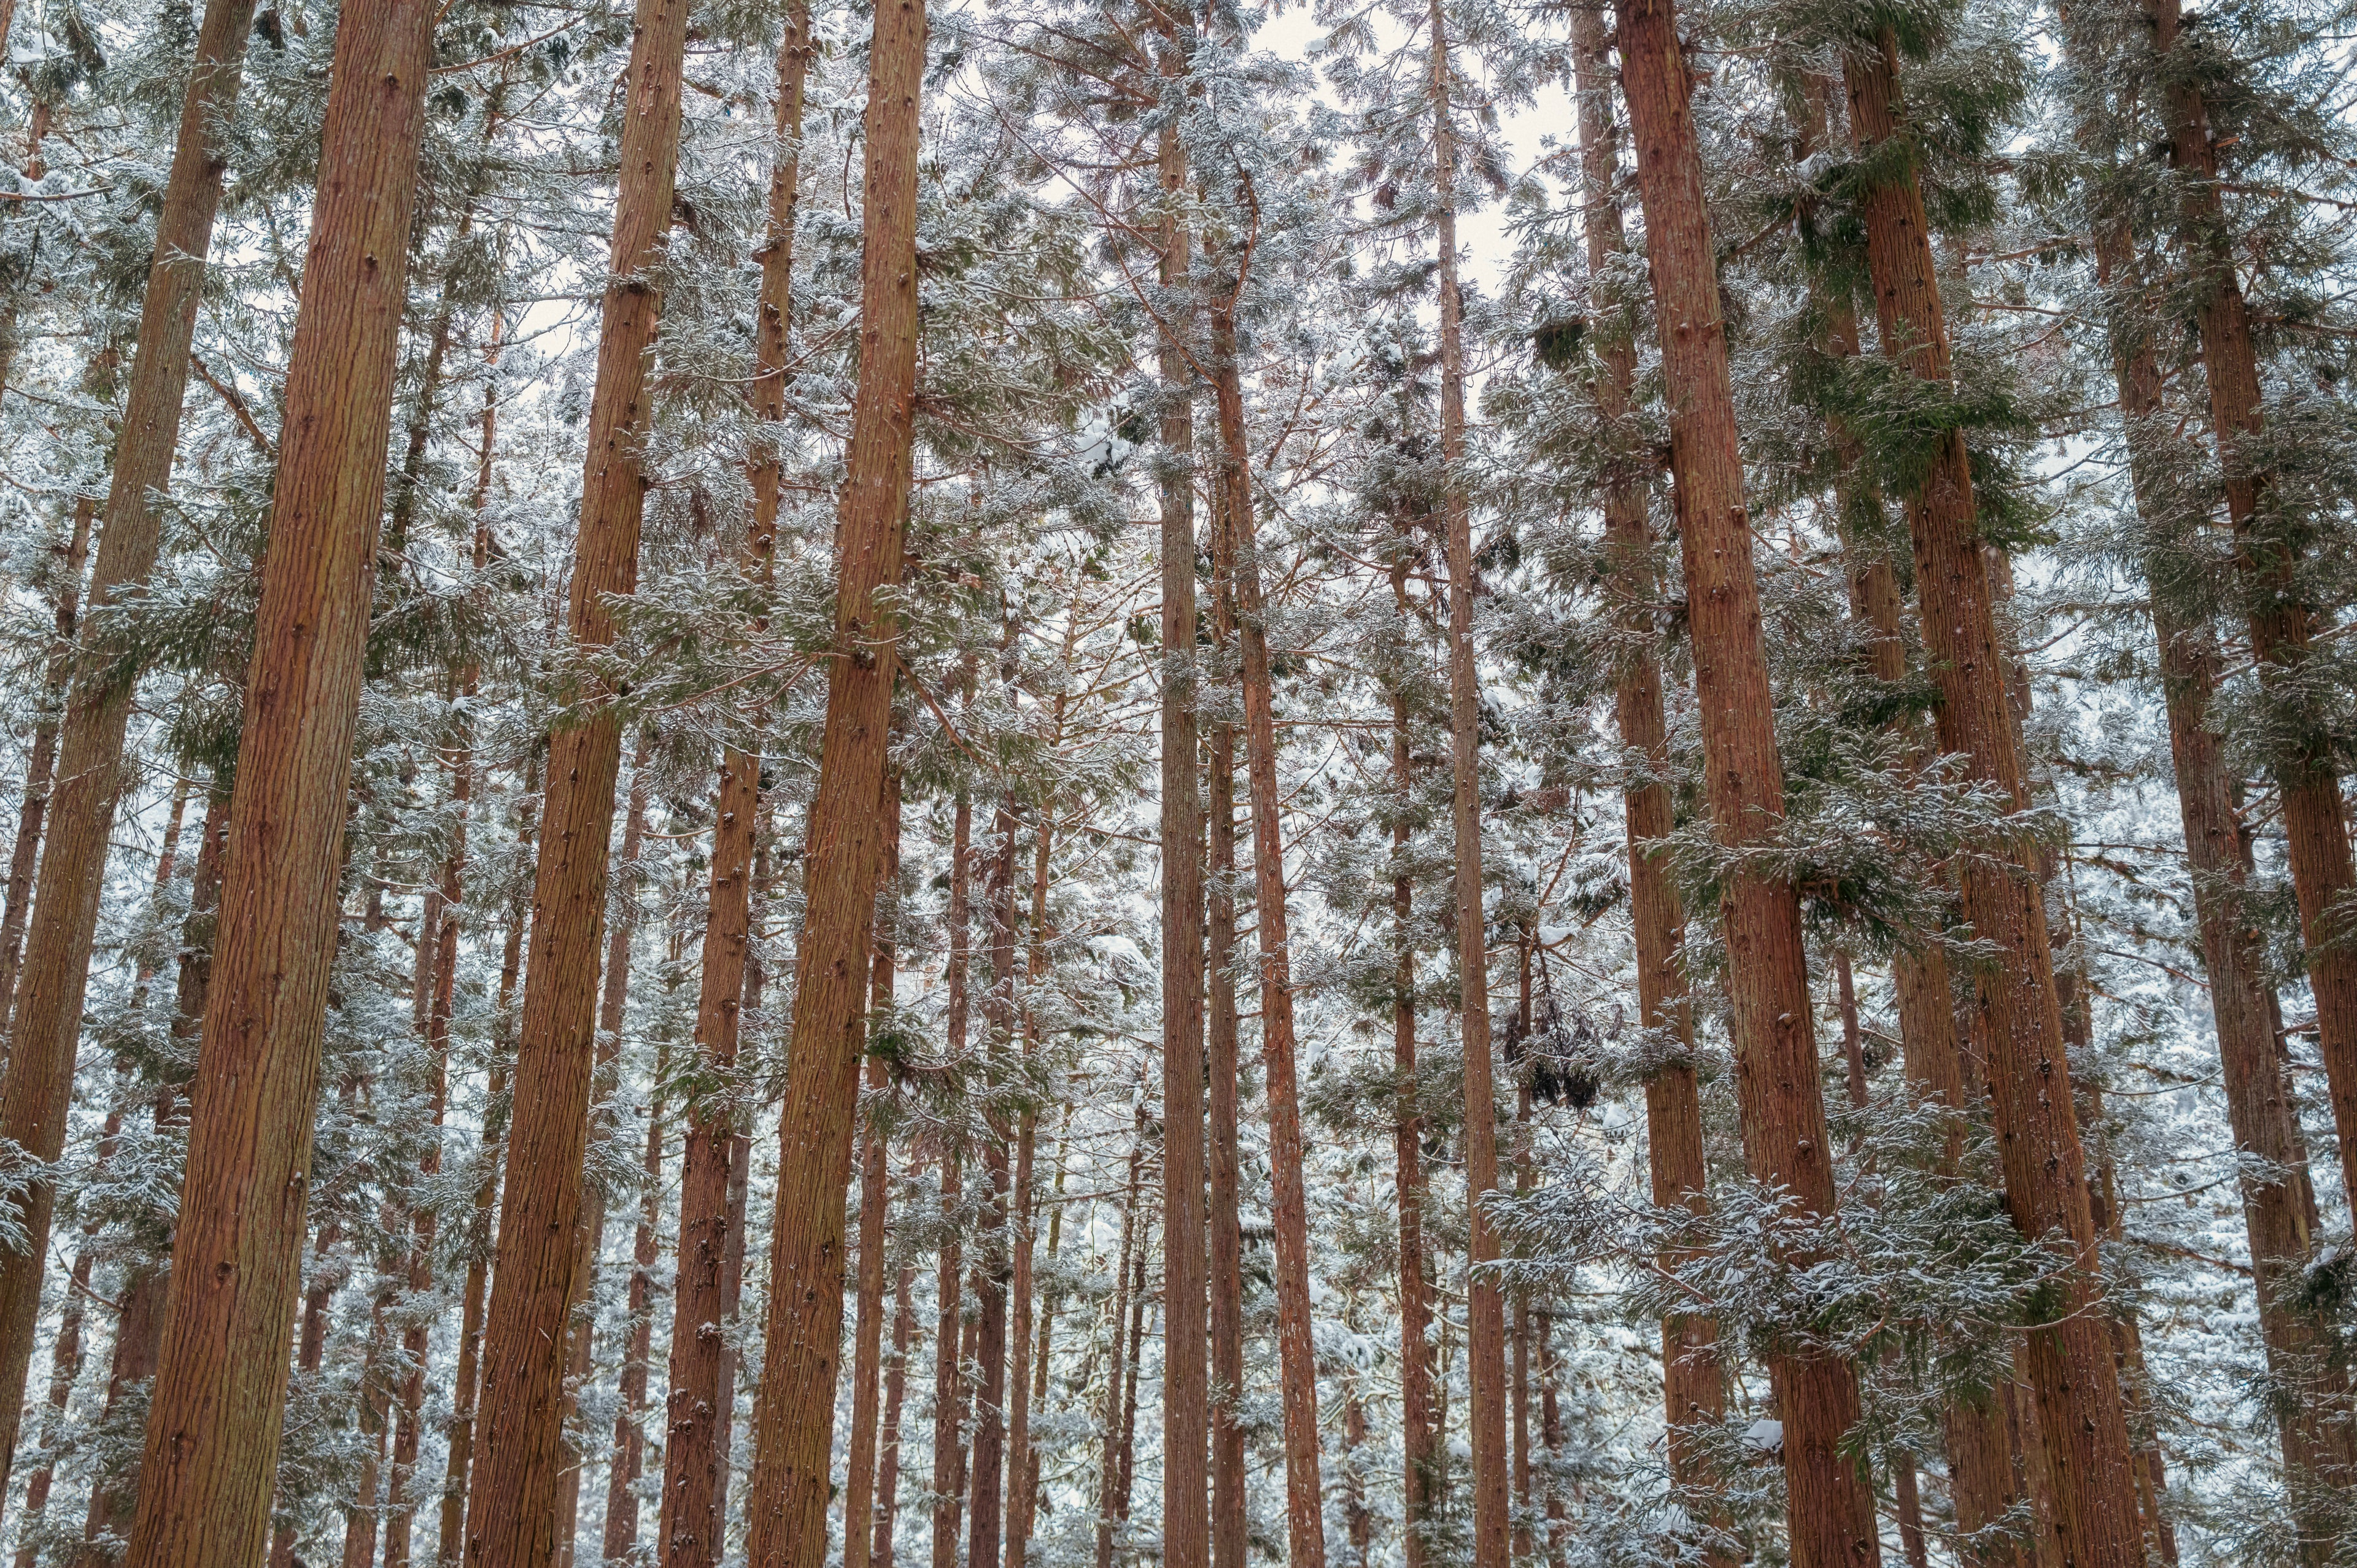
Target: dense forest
1100	784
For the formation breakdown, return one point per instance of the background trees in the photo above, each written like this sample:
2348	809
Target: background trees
1664	549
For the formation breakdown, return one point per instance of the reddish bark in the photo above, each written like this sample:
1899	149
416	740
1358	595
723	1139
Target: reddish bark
1222	1030
2018	1018
1417	1477
1830	1506
1693	1389
1485	1348
511	1515
218	1399
949	1396
630	1457
1186	1372
859	1520
45	1029
2268	553
1305	1530
793	1434
41	759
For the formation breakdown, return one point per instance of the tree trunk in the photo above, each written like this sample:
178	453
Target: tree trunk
467	1386
1485	1311
510	1519
1693	1386
2267	556
949	1414
1023	1467
2018	1016
41	762
1048	1305
589	1227
416	1334
1306	1536
628	1463
993	1268
1223	1030
793	1433
2276	1197
46	1027
695	1461
1416	1489
1830	1506
875	1176
217	1403
1112	1504
1186	1374
895	1389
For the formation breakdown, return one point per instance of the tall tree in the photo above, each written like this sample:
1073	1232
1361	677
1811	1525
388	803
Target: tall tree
45	1030
793	1434
1186	1411
511	1514
217	1406
1485	1347
1830	1507
1694	1391
2270	548
2019	1022
694	1460
1306	1530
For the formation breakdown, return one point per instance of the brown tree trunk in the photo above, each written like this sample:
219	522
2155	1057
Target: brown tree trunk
2267	556
702	1401
875	1176
1306	1536
510	1519
1417	1490
1694	1387
1023	1467
895	1389
695	1460
138	1329
2278	1201
948	1374
2019	1016
793	1432
1486	1309
1126	1471
361	1518
46	1027
1980	1461
628	1463
1112	1502
589	1226
1223	1030
467	1385
41	762
1186	1373
994	1266
1830	1506
218	1401
692	1459
399	1508
1047	1306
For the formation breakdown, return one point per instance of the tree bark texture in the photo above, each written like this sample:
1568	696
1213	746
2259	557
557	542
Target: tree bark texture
1694	1388
1304	1527
1830	1505
520	1458
217	1403
794	1423
2019	1019
45	1029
